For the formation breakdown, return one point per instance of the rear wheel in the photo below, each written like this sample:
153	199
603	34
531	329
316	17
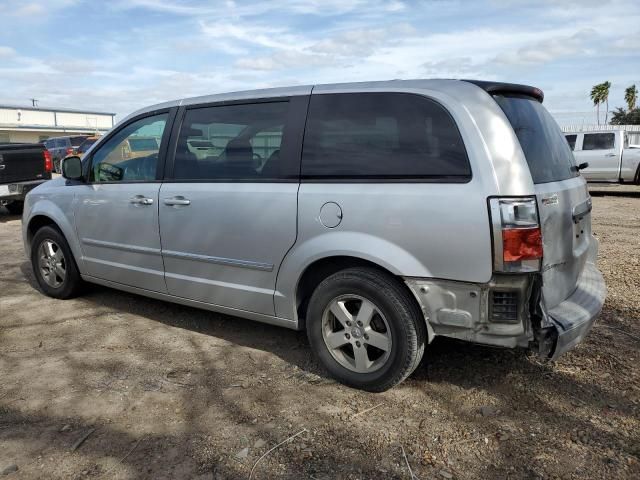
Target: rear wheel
365	329
15	207
53	264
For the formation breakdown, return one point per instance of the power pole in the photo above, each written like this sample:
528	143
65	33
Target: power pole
34	102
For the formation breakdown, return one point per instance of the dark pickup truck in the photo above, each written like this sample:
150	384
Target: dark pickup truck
23	166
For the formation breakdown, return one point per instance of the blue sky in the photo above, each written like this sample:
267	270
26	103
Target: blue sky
124	54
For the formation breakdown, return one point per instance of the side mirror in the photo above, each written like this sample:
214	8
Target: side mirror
583	165
72	168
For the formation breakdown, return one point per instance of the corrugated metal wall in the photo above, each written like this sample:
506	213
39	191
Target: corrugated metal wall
632	130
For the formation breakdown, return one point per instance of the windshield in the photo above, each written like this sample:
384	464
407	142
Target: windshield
548	154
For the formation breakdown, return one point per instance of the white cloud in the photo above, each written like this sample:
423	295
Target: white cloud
629	42
181	48
6	52
451	68
550	49
33	9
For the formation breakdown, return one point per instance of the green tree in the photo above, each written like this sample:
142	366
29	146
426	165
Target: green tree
631	96
623	117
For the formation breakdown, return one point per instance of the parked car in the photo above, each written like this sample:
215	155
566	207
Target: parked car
398	212
23	166
608	154
60	147
85	145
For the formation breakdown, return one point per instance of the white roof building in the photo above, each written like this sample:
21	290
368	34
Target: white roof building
34	124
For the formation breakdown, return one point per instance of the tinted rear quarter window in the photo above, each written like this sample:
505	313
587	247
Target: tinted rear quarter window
381	136
598	141
543	143
571	140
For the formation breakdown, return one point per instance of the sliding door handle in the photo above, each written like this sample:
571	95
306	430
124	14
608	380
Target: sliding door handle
177	201
141	200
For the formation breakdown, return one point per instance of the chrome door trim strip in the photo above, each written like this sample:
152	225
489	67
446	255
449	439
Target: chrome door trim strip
121	246
266	267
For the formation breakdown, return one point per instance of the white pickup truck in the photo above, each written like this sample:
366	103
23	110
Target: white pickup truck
609	155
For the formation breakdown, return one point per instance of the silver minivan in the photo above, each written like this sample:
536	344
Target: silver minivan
375	216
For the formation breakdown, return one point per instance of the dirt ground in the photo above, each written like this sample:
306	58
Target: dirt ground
166	391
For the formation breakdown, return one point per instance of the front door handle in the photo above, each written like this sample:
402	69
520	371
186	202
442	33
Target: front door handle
175	201
141	200
610	155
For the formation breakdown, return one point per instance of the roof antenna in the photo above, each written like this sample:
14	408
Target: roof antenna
34	102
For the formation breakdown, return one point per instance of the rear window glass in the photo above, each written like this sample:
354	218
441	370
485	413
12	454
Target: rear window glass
84	146
382	136
77	141
571	140
142	144
598	141
547	152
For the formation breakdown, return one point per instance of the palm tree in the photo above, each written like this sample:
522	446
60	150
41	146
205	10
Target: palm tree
600	94
596	97
606	86
630	96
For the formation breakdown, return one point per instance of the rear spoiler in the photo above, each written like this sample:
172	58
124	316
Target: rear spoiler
509	88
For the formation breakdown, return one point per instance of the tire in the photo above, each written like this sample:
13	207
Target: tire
354	293
54	284
15	207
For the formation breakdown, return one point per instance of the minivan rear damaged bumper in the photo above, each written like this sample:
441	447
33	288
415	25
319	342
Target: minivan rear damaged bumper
464	311
573	318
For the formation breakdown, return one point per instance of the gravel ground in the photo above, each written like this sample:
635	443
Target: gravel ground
165	391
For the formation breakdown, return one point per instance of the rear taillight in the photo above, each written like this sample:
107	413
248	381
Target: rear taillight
517	237
48	163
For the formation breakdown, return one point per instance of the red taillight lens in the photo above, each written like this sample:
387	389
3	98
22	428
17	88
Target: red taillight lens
521	244
517	236
48	163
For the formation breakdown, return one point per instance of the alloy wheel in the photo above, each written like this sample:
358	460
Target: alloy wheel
356	333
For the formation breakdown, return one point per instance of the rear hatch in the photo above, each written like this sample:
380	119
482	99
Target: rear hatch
564	204
21	162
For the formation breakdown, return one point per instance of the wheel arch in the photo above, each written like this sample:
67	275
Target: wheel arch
344	248
43	218
36	223
323	267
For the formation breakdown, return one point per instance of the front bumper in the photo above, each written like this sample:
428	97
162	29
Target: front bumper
573	318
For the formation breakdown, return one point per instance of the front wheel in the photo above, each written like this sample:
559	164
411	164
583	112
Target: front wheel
53	264
366	329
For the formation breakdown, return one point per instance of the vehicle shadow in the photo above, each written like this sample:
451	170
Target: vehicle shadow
530	396
598	190
6	216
